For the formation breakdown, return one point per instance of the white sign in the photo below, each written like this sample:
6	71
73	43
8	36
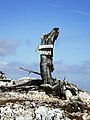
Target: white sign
45	52
45	46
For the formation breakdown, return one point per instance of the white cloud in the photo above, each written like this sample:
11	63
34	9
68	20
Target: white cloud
83	68
53	5
28	42
8	47
81	12
13	71
2	63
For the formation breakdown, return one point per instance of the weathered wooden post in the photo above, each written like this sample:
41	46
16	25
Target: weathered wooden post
46	55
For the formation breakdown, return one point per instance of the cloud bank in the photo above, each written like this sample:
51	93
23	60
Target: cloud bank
83	68
12	68
78	74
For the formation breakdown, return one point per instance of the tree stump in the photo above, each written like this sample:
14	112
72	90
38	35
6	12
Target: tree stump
46	55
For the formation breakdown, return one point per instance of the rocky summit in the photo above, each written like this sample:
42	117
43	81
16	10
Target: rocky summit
21	101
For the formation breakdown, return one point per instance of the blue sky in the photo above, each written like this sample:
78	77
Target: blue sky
22	22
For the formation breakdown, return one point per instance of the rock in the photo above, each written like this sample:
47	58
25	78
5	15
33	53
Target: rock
68	94
43	113
84	116
84	96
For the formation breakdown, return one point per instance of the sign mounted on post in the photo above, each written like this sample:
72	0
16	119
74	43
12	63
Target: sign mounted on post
45	52
45	49
45	46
